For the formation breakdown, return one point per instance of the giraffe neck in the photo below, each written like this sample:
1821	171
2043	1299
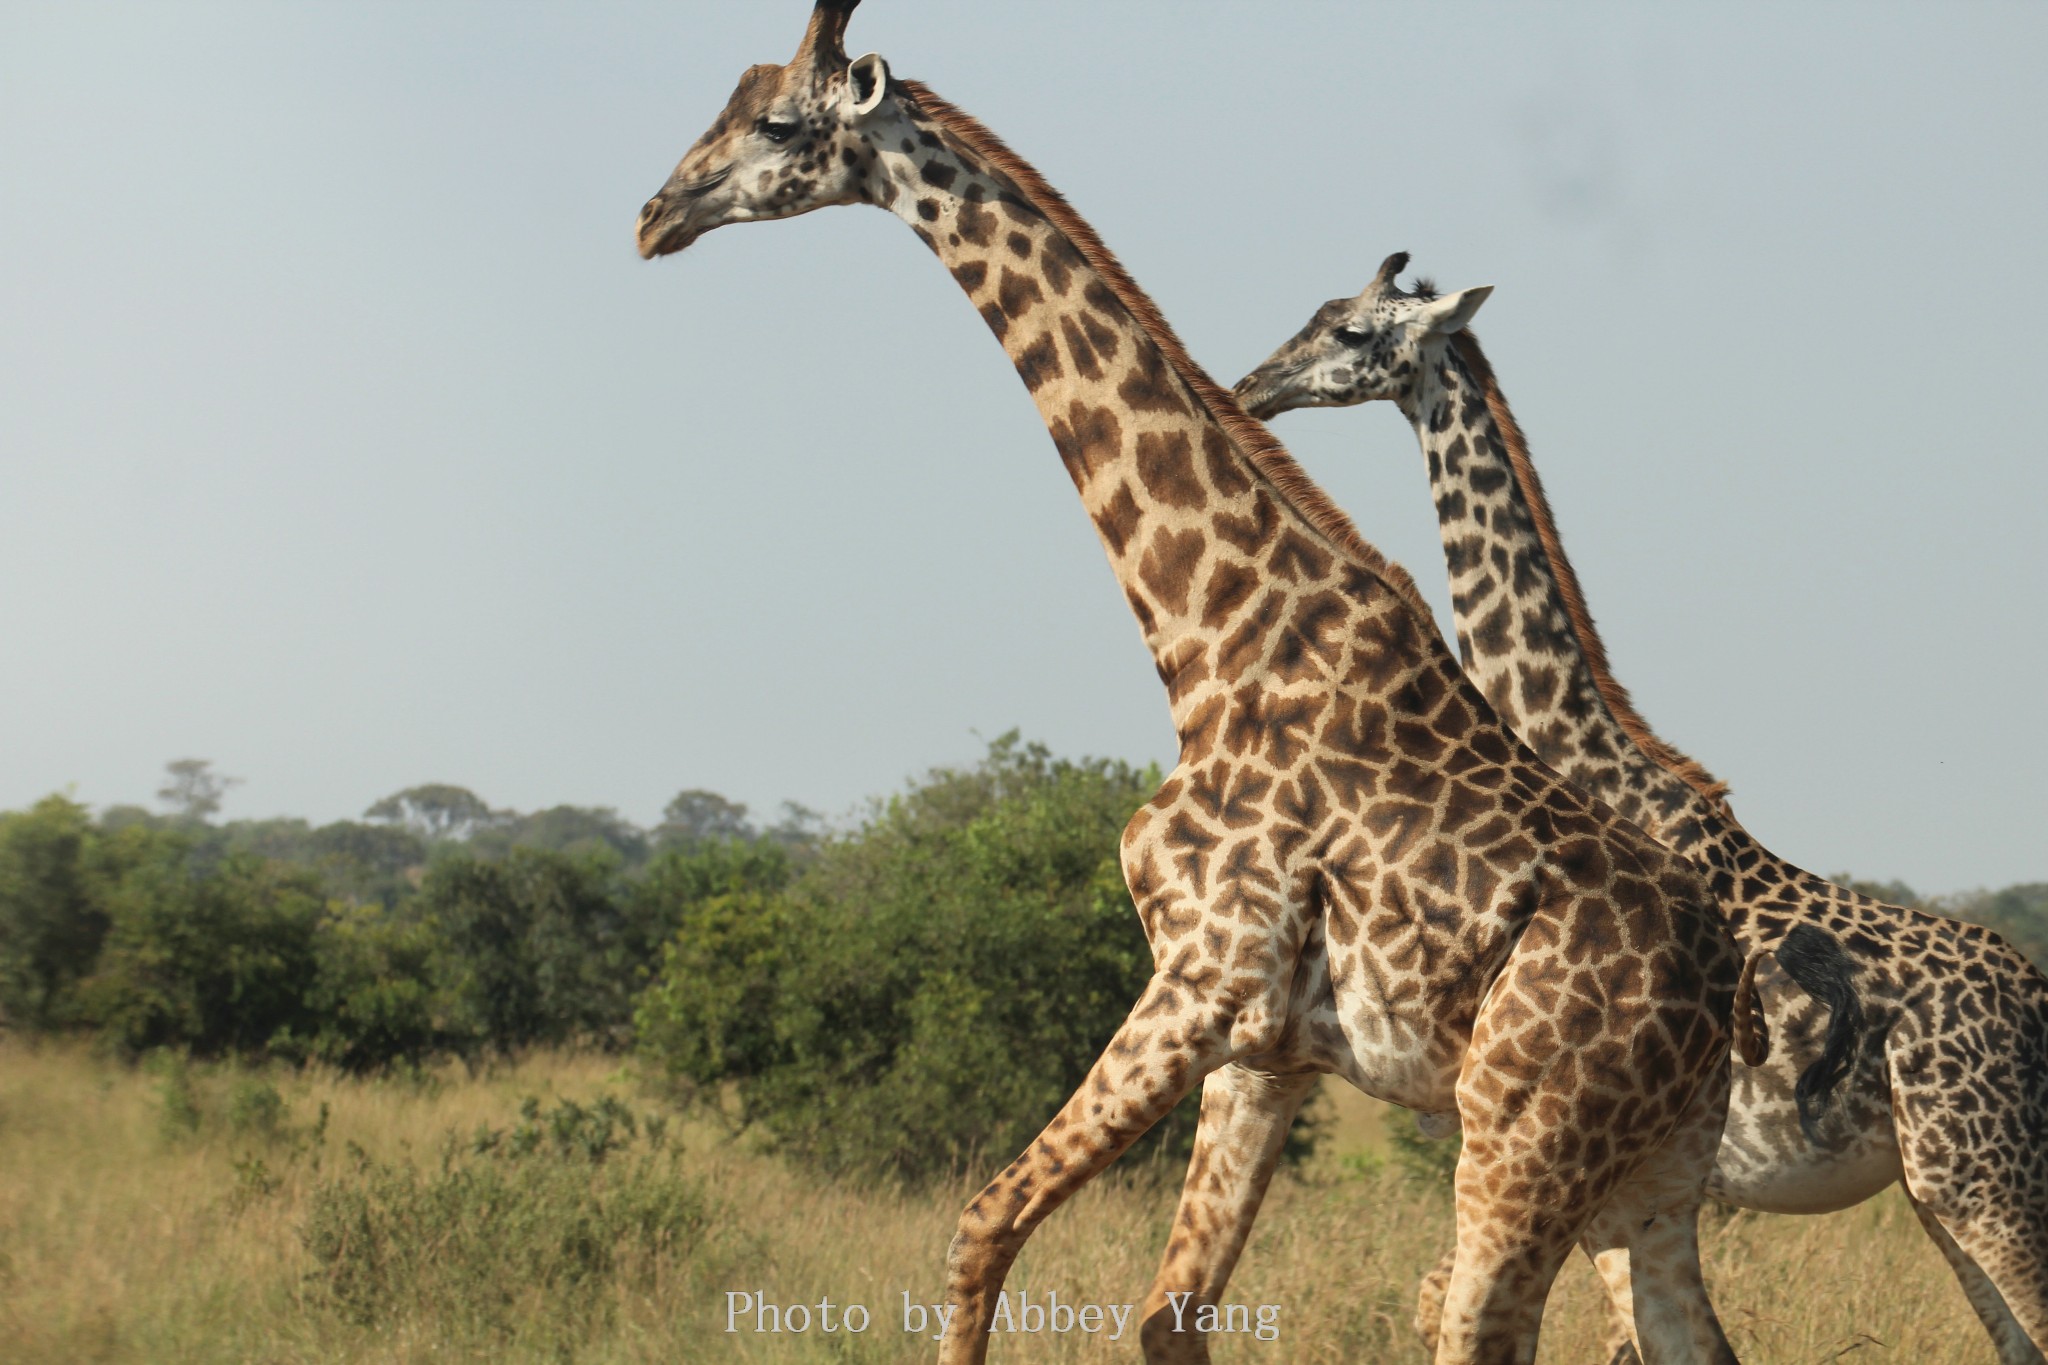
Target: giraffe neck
1525	636
1202	517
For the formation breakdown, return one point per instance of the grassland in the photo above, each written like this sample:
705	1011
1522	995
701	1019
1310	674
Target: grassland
214	1216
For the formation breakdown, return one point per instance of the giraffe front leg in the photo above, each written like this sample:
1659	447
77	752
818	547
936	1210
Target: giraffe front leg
1172	1039
1245	1118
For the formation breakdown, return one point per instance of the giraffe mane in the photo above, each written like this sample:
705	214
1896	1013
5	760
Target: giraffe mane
1686	769
1268	457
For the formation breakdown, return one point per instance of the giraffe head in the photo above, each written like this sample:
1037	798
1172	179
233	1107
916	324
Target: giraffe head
789	140
1355	350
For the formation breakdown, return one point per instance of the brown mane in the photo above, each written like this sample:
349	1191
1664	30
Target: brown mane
1251	438
1687	770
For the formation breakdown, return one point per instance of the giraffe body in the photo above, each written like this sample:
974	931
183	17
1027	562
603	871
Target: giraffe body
1354	868
1948	1089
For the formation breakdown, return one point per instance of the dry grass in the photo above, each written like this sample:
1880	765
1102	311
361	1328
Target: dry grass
120	1242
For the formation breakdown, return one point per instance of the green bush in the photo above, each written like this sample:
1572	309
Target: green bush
564	1211
53	915
256	1109
930	990
710	1014
178	1114
537	946
211	959
382	994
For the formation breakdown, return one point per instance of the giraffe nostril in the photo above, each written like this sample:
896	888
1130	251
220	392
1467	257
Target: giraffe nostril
651	210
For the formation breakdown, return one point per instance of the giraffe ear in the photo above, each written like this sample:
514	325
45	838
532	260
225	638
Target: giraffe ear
1451	312
867	80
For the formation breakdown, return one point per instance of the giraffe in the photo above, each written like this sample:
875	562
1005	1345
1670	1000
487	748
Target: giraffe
1354	868
1950	1091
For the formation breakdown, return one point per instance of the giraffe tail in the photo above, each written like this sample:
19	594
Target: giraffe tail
1752	1033
1824	970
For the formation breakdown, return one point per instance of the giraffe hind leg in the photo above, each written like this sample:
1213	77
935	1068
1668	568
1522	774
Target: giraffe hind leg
2008	1336
1429	1300
1617	1342
1159	1053
1645	1243
1245	1117
1980	1188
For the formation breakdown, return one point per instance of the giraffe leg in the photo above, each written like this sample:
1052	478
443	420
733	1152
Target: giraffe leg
1617	1346
1979	1190
1506	1259
1519	1211
1429	1300
1618	1338
1645	1243
2007	1336
1245	1118
1169	1042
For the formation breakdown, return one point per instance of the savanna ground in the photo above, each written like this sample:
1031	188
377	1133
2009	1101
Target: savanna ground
166	1215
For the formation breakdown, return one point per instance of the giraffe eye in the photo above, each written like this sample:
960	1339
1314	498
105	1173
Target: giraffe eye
1350	336
775	131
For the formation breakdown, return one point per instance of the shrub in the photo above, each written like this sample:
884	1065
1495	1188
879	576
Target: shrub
571	1206
536	947
178	1115
381	995
213	960
255	1109
52	912
930	990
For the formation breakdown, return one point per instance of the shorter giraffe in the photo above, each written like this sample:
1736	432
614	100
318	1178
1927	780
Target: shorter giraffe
1949	1088
1354	867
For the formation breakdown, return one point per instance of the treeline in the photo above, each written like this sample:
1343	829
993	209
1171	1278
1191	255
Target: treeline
908	995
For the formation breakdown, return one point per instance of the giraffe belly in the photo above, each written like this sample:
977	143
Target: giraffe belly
1391	1055
1822	1183
1767	1163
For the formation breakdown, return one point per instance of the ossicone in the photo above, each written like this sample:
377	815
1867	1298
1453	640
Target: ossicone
1389	269
824	44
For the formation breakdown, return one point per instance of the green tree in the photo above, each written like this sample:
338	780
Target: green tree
378	996
435	811
696	817
537	948
214	957
193	790
658	901
566	829
52	917
930	990
365	863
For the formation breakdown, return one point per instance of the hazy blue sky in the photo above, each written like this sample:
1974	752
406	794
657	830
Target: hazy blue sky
345	442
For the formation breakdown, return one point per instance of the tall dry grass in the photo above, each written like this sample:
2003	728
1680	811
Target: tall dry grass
127	1236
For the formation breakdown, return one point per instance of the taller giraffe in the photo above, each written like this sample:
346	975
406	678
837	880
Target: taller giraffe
1354	867
1951	1094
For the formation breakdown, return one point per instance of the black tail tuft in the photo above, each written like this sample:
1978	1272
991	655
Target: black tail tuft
1814	959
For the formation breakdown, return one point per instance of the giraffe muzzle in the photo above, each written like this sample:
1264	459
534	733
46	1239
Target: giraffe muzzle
664	227
1255	396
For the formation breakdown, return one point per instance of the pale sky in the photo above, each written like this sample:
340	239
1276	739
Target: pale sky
345	442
